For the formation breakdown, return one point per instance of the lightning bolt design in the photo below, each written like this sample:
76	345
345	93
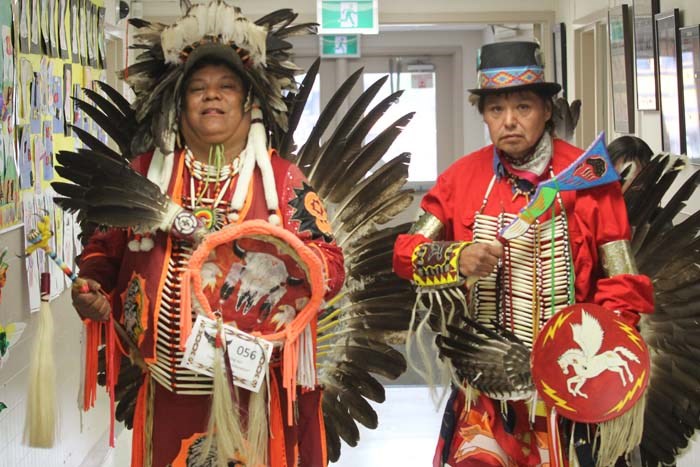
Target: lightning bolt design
561	319
627	329
629	395
559	402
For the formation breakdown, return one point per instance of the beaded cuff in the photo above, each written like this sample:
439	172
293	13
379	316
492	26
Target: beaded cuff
436	264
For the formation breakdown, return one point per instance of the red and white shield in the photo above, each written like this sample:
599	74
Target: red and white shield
589	364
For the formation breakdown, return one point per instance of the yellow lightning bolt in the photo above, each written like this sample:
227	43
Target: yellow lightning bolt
630	333
557	400
555	327
629	395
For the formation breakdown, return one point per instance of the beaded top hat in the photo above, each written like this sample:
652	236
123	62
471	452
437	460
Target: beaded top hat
511	66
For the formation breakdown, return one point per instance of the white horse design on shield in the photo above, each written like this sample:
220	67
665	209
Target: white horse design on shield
587	363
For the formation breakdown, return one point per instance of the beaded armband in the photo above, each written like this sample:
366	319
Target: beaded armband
436	264
616	258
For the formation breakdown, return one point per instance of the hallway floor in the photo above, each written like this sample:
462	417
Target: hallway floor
407	433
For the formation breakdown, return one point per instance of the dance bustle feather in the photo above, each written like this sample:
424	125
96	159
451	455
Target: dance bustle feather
669	255
370	310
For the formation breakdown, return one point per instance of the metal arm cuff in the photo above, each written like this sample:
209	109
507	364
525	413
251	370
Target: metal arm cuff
428	226
616	258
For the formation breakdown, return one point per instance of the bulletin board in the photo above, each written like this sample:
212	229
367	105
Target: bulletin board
52	50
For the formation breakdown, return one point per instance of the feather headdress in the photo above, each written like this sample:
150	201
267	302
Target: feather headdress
260	55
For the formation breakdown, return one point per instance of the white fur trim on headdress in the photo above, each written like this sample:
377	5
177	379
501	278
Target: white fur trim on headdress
254	154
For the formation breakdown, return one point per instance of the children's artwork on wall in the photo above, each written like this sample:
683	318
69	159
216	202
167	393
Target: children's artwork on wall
63	39
53	28
7	80
9	336
47	155
69	233
37	145
44	26
101	38
90	14
32	214
10	209
35	28
78	119
24	25
57	104
74	26
82	31
35	103
24	89
67	108
24	155
45	78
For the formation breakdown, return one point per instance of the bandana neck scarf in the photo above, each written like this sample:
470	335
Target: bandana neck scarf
533	166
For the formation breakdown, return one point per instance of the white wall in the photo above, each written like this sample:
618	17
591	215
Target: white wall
578	14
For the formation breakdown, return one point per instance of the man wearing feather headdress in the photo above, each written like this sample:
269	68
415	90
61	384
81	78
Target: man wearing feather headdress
208	111
575	252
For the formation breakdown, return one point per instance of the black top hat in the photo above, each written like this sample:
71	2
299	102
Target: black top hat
511	66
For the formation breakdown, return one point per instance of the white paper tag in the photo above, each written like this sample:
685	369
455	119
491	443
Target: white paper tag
199	348
249	356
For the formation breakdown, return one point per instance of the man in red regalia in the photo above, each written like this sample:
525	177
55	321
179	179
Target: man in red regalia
578	251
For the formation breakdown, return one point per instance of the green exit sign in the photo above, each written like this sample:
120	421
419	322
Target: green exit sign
340	46
347	17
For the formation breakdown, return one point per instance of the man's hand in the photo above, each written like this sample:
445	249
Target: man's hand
92	304
479	259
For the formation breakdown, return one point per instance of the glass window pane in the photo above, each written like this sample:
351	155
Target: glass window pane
311	112
420	136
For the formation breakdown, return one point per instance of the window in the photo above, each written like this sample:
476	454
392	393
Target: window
420	136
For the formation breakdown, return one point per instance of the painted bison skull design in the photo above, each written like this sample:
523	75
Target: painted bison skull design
263	279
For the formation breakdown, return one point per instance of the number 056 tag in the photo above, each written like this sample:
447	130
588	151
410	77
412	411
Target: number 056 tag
249	357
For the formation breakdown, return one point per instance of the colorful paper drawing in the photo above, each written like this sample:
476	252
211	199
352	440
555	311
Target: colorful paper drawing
47	155
67	88
24	90
74	26
53	28
101	37
45	78
7	69
26	173
90	32
35	27
37	144
3	270
78	119
63	37
68	244
82	31
57	104
44	13
10	210
9	336
35	263
35	103
24	25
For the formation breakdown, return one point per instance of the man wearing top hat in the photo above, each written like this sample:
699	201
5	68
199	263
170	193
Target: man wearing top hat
575	252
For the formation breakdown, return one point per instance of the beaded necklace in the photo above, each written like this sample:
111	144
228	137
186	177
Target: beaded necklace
209	182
